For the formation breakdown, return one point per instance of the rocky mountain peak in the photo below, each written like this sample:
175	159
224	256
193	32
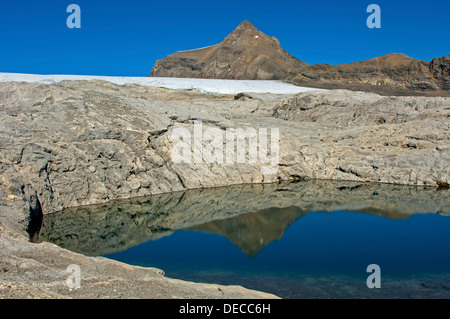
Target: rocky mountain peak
246	25
245	30
246	54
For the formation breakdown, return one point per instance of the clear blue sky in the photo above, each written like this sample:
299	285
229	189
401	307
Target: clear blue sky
125	38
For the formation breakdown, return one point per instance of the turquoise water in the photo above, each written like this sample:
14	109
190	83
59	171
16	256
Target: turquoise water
319	255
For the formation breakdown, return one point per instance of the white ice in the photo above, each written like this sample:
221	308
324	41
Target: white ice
203	85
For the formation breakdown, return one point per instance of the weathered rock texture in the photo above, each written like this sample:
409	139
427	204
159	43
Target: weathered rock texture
246	53
80	143
89	142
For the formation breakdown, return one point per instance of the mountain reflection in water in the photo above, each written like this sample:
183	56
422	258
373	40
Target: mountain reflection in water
165	231
260	212
255	230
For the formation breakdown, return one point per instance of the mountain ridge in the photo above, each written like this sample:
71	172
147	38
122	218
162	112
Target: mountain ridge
390	74
249	54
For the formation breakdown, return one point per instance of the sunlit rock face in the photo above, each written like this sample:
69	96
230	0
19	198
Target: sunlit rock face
245	54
